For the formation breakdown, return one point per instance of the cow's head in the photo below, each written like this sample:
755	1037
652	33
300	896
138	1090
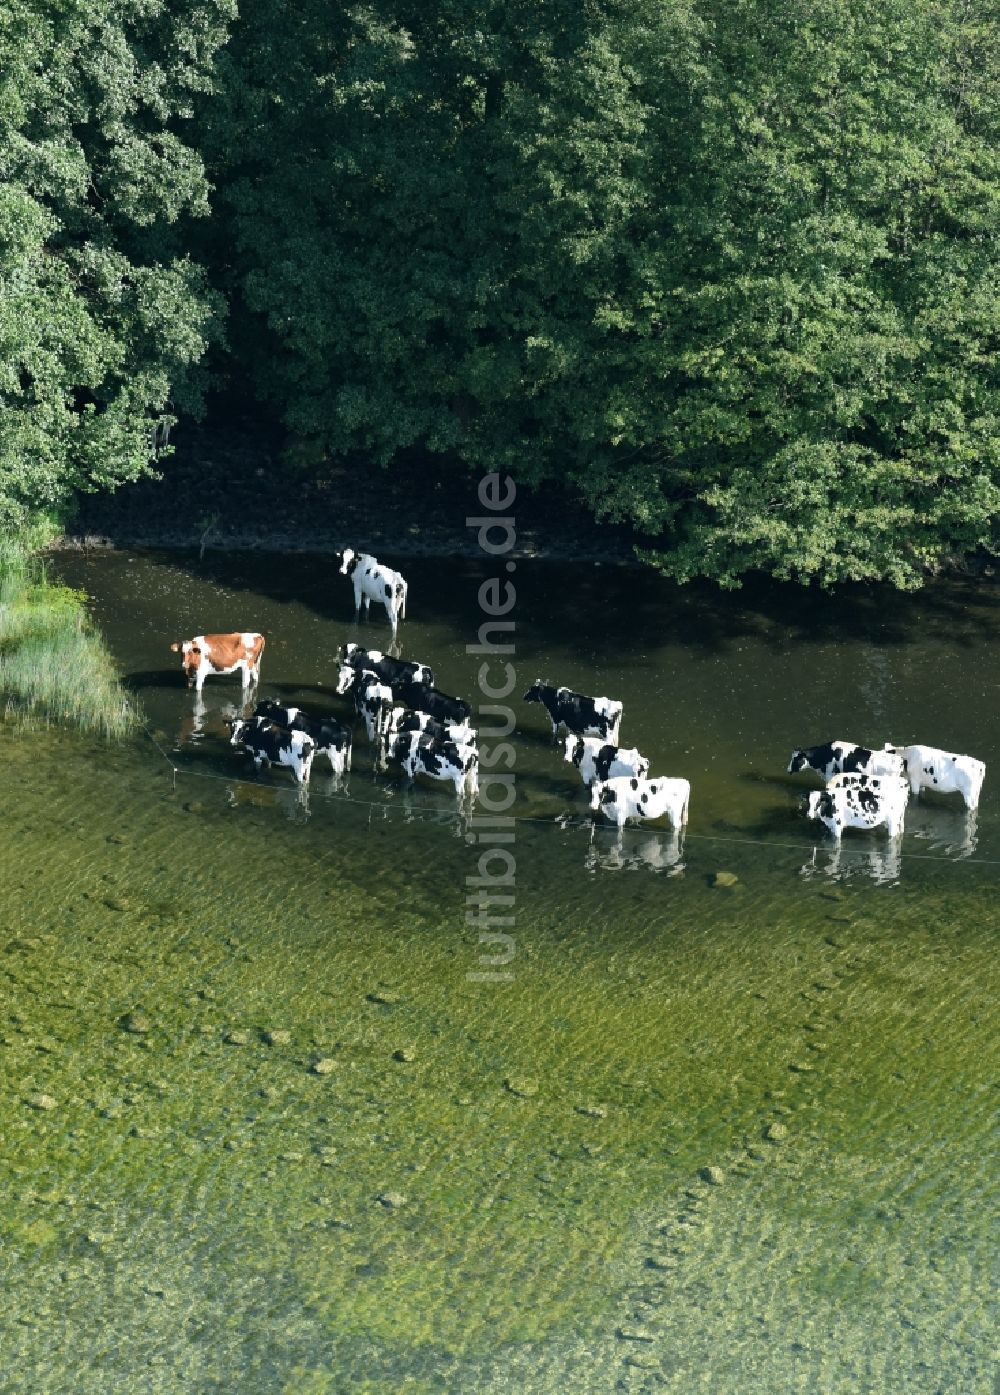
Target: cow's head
190	653
348	561
267	707
345	678
534	693
574	750
236	726
798	762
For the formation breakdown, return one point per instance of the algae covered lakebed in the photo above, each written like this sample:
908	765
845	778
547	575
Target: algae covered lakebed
261	1129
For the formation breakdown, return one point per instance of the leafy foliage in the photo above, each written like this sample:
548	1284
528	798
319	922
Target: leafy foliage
727	265
725	268
103	315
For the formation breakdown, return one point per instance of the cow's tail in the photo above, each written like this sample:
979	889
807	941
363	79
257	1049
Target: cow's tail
401	597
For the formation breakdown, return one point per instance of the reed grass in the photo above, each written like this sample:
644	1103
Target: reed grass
54	666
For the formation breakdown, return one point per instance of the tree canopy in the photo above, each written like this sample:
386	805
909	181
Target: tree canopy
104	316
725	268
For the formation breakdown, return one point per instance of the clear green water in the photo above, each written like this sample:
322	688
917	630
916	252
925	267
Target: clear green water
198	1214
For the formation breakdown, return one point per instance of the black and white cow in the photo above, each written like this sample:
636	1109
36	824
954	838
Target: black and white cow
422	698
330	737
927	768
583	716
598	762
270	744
374	582
630	797
420	754
373	702
401	721
851	800
389	670
844	757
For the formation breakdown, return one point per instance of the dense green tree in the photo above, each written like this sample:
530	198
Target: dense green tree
103	316
726	265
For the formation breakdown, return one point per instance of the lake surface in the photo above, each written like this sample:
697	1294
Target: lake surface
703	1138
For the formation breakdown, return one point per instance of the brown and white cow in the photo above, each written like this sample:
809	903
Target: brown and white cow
210	654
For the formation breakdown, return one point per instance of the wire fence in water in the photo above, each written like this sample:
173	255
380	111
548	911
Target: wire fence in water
860	855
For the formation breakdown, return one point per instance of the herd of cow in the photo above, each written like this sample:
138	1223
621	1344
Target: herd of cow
411	723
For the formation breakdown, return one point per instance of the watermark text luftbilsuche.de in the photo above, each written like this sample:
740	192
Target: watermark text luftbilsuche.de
491	890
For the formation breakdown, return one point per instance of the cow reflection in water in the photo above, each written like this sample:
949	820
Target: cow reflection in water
420	806
883	864
292	801
204	719
632	849
944	830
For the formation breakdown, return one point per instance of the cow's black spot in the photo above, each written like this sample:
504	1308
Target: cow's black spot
856	759
634	784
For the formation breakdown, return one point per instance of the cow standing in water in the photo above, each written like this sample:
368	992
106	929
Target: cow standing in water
374	582
579	714
927	768
207	655
270	744
861	801
846	758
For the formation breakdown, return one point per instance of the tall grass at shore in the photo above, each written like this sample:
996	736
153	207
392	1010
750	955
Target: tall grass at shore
53	665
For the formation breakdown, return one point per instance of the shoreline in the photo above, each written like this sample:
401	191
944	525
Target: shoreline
229	489
527	547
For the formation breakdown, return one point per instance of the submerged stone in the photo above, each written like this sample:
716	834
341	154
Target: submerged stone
324	1066
38	1100
592	1111
277	1036
516	1086
386	996
774	1133
391	1200
237	1038
403	1053
714	1176
724	879
137	1023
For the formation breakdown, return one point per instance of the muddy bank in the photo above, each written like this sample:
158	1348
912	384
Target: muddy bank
233	491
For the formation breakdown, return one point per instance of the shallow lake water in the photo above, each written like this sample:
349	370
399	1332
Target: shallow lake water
702	1138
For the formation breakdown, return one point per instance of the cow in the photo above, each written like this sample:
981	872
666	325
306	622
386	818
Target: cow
270	744
599	762
631	797
330	738
580	715
374	582
388	669
400	721
210	654
853	800
373	701
422	698
844	757
930	769
420	754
